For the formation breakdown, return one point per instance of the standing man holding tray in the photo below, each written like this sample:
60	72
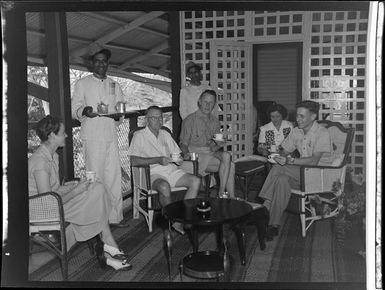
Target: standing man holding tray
98	133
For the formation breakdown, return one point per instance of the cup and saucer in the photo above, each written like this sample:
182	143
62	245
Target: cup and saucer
91	176
175	157
270	158
219	138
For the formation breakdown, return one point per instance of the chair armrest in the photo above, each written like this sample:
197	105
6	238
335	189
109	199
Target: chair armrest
141	166
195	166
322	166
146	169
316	179
50	193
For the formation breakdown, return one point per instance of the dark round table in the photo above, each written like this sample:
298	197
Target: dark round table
223	211
206	264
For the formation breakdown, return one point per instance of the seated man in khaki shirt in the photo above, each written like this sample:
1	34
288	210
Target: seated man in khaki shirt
197	134
313	144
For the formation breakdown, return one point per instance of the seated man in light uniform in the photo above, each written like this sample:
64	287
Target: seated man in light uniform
314	146
197	134
153	146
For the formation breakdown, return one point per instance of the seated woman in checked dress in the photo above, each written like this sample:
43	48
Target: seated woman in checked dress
86	205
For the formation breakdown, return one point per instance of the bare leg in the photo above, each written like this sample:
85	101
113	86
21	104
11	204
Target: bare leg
223	165
163	187
224	171
215	166
230	185
107	237
192	182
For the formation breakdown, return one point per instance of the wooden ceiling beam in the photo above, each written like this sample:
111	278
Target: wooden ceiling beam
87	41
151	70
125	48
118	32
110	19
160	47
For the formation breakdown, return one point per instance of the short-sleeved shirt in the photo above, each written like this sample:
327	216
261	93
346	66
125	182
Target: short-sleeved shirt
316	140
198	129
188	98
42	160
271	136
145	144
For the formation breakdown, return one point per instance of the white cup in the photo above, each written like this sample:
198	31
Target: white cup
218	136
120	107
175	156
91	176
194	155
271	156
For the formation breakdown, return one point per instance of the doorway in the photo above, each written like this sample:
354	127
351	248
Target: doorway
277	75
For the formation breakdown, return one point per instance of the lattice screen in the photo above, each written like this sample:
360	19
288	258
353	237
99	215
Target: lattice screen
232	68
337	72
334	46
199	27
277	24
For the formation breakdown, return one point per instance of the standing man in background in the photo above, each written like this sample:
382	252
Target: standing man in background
98	133
189	95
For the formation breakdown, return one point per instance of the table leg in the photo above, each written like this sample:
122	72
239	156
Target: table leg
240	234
181	271
168	246
220	238
194	238
262	221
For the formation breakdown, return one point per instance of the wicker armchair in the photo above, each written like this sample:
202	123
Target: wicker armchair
46	215
146	200
318	182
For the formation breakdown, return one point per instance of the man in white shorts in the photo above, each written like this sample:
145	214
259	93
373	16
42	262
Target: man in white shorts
153	146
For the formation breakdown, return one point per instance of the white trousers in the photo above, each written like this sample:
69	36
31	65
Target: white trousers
103	158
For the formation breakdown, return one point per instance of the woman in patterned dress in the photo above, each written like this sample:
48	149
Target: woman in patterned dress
272	134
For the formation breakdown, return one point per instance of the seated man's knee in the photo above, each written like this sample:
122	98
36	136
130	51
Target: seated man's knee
162	186
195	181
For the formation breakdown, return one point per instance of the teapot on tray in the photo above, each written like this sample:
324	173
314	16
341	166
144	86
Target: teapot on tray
102	108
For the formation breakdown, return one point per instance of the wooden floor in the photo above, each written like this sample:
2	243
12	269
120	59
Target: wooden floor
38	259
280	262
